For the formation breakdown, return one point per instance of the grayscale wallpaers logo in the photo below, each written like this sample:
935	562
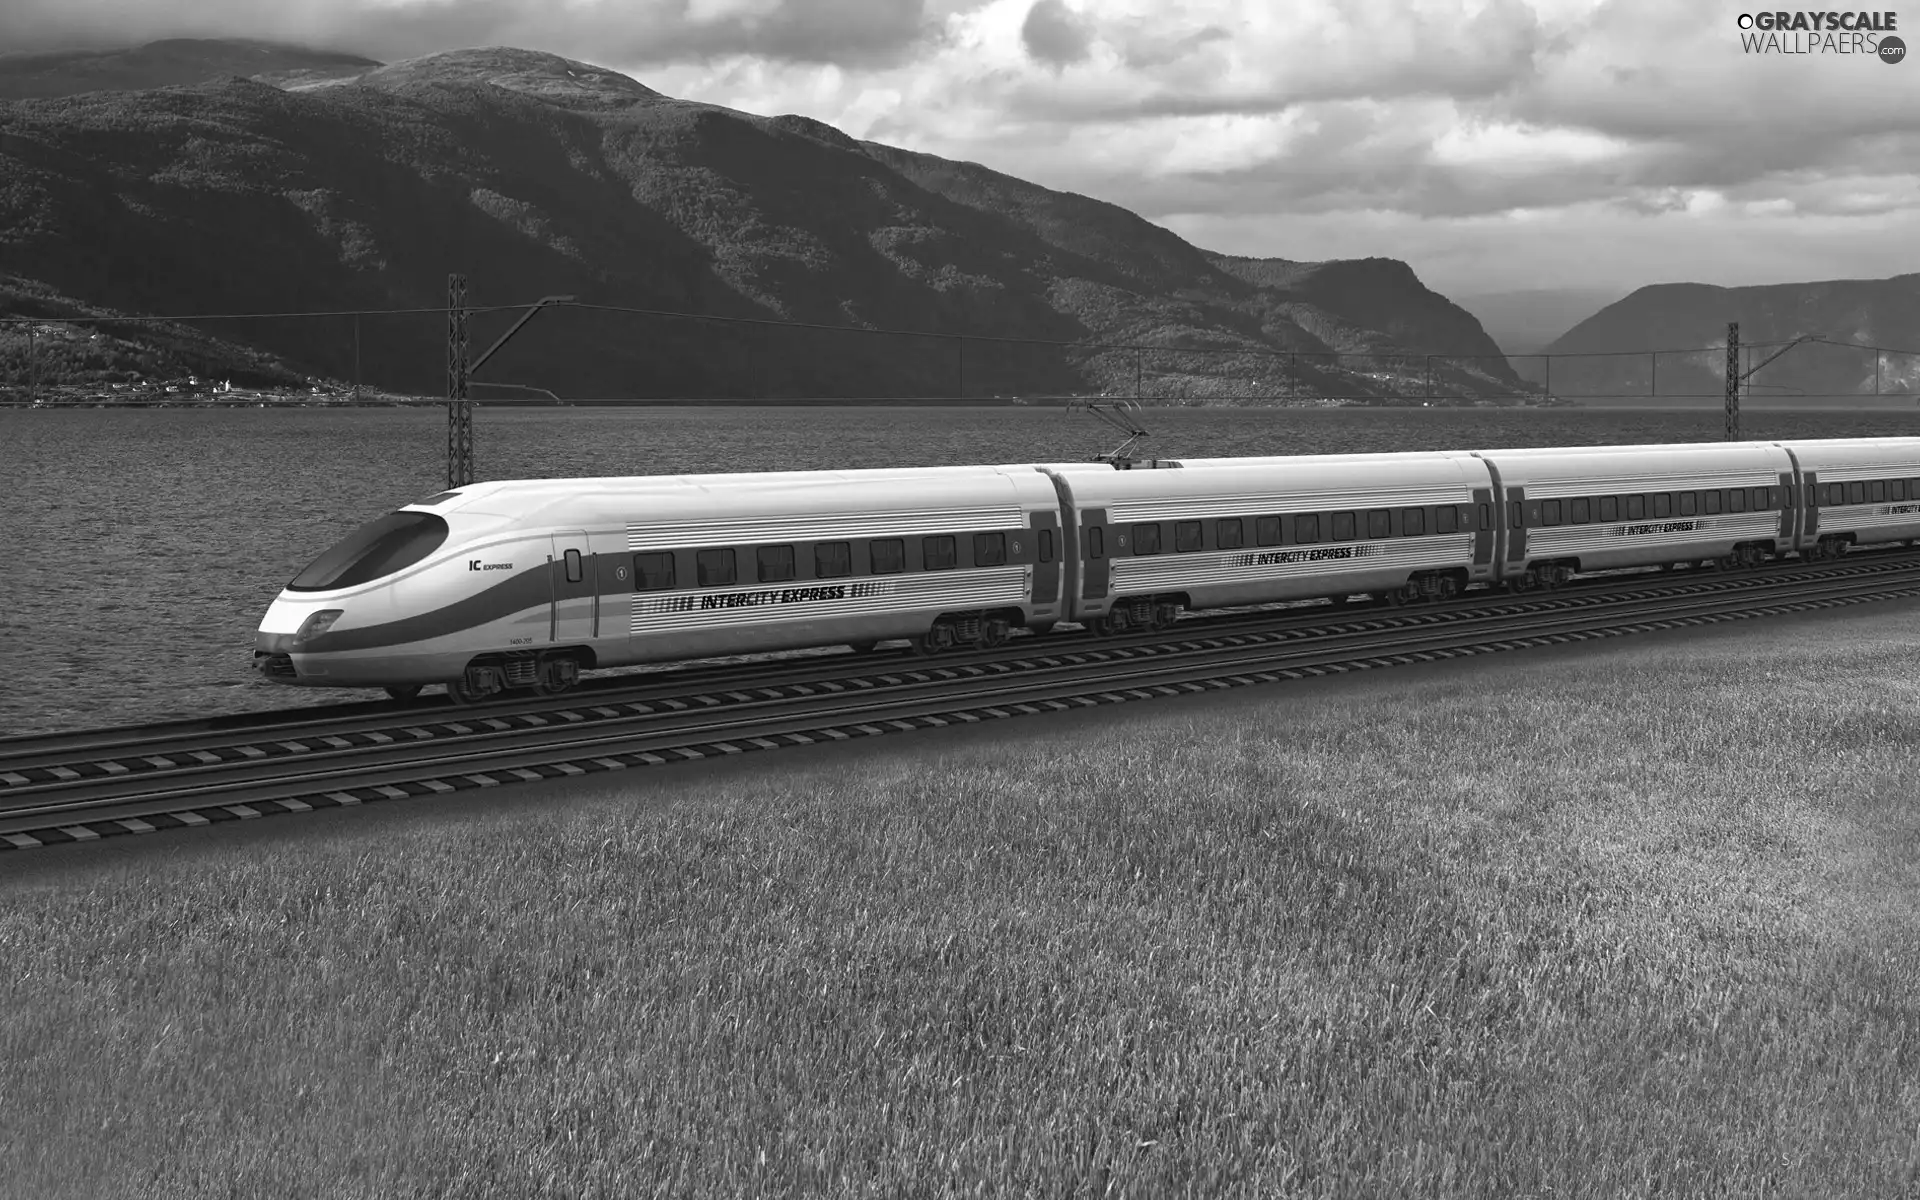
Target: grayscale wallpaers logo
1862	33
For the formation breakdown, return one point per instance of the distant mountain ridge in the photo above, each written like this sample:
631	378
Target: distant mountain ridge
1683	316
335	183
171	63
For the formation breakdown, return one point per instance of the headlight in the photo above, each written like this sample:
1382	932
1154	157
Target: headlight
317	624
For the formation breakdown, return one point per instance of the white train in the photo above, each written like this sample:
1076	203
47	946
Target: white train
525	584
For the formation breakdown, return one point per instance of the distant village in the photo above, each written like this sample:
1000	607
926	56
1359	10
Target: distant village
44	357
190	391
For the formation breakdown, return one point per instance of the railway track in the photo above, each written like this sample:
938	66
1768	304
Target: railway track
93	784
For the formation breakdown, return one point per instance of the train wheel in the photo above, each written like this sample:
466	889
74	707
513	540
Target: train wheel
556	676
1840	548
404	691
994	632
463	693
937	640
1164	615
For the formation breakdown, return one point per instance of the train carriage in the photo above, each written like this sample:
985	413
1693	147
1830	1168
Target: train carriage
1263	531
526	583
1858	491
1596	508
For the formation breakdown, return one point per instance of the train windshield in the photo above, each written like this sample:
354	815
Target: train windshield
380	547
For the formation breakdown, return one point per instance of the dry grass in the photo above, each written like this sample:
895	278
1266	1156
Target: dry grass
1625	921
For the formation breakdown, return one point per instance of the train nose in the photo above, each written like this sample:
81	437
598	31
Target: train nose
274	646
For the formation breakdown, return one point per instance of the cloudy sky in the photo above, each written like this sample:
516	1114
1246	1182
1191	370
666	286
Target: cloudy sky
1494	144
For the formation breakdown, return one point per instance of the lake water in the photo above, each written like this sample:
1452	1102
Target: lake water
141	547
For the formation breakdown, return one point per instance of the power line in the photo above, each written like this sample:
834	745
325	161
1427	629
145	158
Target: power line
929	333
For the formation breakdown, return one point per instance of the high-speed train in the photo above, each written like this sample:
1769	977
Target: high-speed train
504	586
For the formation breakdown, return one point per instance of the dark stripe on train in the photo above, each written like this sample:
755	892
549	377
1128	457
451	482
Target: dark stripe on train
525	590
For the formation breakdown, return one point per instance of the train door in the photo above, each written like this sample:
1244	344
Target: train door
1047	553
1810	499
1521	513
572	571
1483	524
1095	550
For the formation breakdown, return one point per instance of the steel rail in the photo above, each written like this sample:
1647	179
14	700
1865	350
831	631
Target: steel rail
32	763
569	749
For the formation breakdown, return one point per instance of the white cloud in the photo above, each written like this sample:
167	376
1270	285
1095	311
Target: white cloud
1428	131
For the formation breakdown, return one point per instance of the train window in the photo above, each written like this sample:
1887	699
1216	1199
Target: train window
1710	501
1096	542
652	572
1636	507
832	560
1486	517
989	549
1549	512
1306	527
776	563
1516	514
1266	531
1340	526
1146	539
1046	545
1663	504
1231	533
1379	523
1736	499
1186	536
378	548
1689	504
941	552
1609	507
714	568
1897	489
1579	510
1413	522
1877	491
1762	499
1445	519
1913	489
575	572
887	556
1857	492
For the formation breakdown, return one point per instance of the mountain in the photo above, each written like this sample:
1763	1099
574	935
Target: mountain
1526	322
359	186
166	64
1693	317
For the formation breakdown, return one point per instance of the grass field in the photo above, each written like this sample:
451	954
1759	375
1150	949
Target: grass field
1634	919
